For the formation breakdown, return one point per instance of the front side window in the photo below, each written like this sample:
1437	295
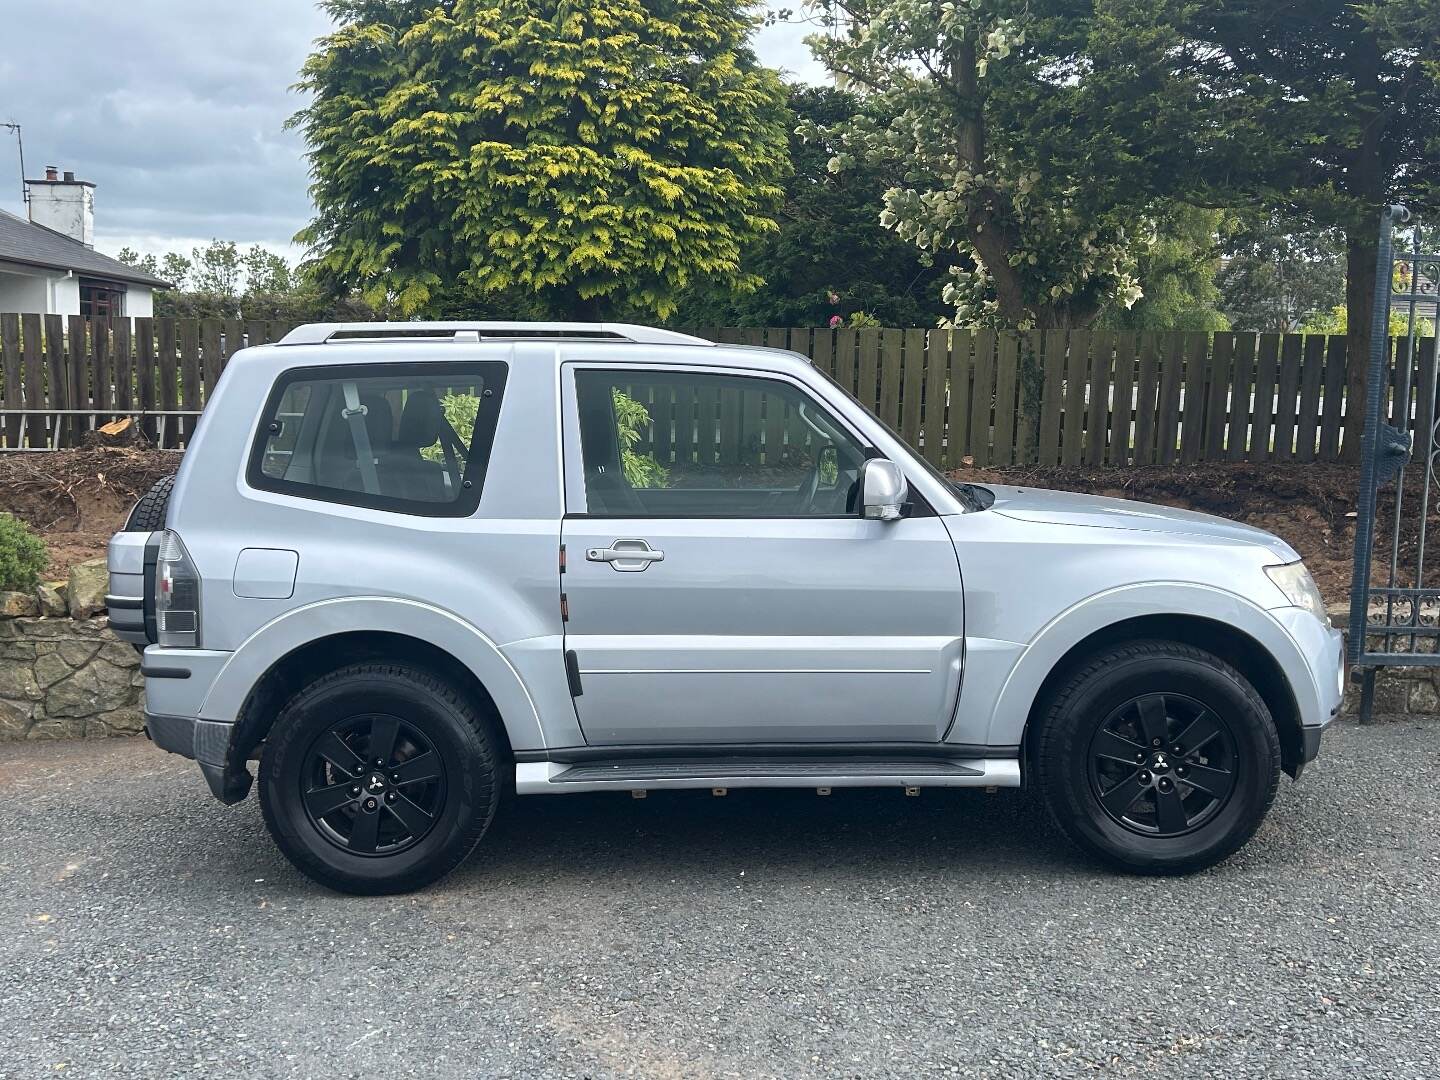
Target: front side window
412	438
683	444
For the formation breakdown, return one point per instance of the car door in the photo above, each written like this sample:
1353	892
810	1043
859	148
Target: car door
719	585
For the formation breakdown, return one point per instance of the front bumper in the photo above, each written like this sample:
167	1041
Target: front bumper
1323	649
207	743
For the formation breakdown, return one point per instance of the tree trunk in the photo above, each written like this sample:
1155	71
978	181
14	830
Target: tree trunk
1366	179
1361	255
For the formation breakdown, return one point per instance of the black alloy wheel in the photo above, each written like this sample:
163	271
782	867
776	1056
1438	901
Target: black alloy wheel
380	777
1163	764
1156	756
373	784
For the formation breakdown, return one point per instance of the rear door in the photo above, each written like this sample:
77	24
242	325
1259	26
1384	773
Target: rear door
720	587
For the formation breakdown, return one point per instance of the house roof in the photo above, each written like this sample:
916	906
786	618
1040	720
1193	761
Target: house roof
24	242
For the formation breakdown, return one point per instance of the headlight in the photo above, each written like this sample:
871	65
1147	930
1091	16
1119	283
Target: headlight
1299	587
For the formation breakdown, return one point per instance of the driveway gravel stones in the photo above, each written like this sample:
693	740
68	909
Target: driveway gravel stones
150	931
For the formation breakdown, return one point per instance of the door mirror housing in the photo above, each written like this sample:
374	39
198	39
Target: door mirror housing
883	490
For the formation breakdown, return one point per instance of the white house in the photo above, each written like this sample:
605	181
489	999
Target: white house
49	264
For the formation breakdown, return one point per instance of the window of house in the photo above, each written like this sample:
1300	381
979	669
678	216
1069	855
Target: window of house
685	444
414	438
101	299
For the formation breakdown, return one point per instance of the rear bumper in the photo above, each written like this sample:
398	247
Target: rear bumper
205	742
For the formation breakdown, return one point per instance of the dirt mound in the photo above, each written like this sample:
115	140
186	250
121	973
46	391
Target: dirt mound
77	498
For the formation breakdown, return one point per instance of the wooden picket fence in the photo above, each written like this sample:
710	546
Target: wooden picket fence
994	398
1077	397
62	376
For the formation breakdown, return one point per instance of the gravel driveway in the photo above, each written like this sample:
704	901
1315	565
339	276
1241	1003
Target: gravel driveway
150	931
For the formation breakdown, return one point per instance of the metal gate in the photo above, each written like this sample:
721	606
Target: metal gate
1394	606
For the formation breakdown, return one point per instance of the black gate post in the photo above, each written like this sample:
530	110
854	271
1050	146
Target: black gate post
1365	512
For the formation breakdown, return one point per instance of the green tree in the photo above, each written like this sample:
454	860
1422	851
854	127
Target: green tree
829	257
593	153
266	272
952	96
219	270
218	281
1324	111
1176	270
1275	278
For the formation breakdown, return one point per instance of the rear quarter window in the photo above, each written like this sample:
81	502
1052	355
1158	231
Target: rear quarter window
410	438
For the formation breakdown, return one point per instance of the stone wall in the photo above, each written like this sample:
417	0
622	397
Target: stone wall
67	678
1399	692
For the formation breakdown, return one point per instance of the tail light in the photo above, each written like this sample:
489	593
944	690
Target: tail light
177	595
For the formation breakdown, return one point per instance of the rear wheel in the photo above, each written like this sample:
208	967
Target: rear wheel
378	778
1158	757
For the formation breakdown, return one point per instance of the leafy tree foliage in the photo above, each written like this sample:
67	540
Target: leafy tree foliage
1324	111
1176	271
22	555
631	419
830	258
591	153
1275	278
219	281
1336	321
951	92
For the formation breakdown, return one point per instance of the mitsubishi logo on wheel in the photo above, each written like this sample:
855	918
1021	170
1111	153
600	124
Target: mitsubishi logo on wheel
377	782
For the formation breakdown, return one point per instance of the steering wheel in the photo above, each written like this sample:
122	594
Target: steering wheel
809	487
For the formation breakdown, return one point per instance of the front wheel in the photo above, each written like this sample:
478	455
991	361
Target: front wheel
378	778
1158	757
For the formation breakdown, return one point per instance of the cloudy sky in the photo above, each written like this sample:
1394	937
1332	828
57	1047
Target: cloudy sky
175	110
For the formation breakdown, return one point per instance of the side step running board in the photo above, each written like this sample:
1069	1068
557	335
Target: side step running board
547	777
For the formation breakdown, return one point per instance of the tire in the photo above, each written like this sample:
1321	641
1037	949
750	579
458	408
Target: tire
373	843
148	515
1115	793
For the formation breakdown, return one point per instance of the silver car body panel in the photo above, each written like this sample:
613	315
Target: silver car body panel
793	630
793	647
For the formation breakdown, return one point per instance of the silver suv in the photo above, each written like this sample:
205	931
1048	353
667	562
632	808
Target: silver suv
408	567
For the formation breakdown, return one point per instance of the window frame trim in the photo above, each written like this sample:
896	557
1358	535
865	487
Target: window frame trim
576	502
107	285
492	376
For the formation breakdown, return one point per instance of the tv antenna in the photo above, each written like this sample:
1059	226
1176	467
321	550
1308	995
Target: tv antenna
19	142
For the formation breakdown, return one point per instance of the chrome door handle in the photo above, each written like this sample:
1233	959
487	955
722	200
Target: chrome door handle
628	556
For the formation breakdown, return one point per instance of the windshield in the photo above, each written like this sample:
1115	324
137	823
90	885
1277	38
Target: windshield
973	498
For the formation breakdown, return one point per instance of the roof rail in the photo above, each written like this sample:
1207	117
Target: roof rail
340	333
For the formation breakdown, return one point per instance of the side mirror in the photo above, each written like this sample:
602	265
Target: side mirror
883	490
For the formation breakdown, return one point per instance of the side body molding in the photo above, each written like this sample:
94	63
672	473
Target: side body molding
443	629
1017	695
